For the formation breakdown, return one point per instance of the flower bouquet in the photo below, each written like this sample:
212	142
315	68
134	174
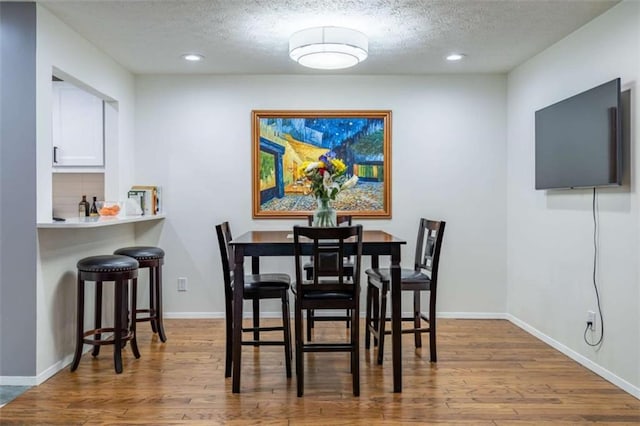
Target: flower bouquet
327	177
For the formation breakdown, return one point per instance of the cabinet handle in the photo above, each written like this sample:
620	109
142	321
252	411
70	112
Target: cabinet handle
55	154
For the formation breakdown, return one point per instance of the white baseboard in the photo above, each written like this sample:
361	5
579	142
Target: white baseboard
580	359
278	314
40	378
193	315
470	315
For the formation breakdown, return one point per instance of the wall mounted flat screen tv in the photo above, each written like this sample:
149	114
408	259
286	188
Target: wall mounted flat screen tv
579	140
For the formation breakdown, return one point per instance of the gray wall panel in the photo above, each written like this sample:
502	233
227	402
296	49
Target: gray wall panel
18	251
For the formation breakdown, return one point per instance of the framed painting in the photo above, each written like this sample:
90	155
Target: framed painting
284	142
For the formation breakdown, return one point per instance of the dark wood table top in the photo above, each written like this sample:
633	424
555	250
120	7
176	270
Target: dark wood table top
286	237
280	243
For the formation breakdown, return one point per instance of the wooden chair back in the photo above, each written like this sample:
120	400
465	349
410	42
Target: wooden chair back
430	234
226	254
330	246
341	220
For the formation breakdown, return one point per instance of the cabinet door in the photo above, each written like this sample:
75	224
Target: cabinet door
78	127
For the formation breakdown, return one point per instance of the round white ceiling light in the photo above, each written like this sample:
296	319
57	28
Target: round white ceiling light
328	48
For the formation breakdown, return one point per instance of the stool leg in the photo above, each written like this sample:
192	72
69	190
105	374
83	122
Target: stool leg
117	332
132	323
79	325
125	311
158	304
153	310
97	321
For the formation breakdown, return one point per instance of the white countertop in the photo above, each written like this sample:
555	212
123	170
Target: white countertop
90	222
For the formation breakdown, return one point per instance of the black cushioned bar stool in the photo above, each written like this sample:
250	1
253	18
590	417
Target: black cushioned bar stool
152	258
120	270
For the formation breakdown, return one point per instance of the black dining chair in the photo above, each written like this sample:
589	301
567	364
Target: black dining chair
423	277
327	289
342	220
256	288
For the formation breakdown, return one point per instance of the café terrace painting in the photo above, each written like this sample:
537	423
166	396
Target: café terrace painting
285	140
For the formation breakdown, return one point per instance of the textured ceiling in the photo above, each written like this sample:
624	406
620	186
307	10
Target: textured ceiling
251	36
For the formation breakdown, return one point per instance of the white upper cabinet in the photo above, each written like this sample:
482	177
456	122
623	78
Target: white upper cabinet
78	127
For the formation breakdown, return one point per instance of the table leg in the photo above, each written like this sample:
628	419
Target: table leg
238	288
396	319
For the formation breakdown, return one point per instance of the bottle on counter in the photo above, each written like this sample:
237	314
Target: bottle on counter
83	207
93	211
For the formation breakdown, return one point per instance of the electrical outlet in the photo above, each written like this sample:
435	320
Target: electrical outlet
182	284
591	320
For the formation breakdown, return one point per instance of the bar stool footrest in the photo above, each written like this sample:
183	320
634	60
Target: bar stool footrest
152	316
126	336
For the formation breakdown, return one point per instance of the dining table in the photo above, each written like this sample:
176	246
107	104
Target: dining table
259	243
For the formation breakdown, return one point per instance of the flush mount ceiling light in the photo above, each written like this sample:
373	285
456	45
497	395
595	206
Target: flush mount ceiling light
328	48
192	57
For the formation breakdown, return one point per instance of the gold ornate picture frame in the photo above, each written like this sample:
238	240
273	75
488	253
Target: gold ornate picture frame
283	140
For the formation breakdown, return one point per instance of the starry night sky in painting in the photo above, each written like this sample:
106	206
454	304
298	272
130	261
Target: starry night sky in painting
336	130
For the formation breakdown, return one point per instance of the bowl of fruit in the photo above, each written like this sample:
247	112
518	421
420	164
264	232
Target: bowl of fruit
108	208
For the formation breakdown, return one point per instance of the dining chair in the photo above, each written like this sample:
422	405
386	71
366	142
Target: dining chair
256	288
328	289
342	220
423	277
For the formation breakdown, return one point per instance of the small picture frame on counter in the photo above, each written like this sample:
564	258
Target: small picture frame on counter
148	196
139	197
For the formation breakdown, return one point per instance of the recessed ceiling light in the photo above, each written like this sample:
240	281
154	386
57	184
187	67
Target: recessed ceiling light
192	57
455	56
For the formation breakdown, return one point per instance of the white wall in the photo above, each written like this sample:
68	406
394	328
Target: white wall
62	49
193	137
549	233
58	251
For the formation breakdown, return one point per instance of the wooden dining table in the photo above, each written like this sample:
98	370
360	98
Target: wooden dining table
256	244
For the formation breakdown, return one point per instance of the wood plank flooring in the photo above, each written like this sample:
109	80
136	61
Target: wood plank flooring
489	372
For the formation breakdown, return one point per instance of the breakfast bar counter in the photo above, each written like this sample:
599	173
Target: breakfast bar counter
91	222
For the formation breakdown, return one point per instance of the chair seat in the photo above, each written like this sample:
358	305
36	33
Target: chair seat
327	295
141	252
254	283
407	275
107	263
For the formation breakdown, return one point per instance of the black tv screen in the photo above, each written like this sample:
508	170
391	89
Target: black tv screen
579	141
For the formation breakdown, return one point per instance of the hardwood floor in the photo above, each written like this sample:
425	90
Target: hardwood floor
489	372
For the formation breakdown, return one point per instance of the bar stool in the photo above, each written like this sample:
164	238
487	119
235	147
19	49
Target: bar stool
152	258
119	269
